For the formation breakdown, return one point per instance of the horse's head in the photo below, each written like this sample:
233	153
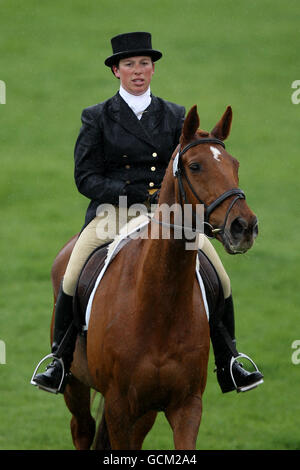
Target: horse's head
207	174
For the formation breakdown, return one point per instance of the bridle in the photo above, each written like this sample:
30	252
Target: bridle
180	173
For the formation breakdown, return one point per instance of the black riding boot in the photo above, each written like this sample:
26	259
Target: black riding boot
231	374
64	338
228	317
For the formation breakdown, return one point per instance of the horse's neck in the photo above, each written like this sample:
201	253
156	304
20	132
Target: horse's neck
166	274
165	283
169	262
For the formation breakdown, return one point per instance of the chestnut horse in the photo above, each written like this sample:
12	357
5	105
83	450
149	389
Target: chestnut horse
147	344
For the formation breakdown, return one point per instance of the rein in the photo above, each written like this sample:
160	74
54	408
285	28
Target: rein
179	172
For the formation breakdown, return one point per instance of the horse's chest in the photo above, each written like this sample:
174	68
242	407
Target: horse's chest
159	377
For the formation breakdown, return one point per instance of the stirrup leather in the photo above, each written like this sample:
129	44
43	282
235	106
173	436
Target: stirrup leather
246	387
63	378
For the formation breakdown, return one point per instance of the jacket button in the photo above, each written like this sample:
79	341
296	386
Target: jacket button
128	182
154	154
127	167
153	168
151	184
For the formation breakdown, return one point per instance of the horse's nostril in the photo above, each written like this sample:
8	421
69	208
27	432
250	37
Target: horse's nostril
238	227
255	229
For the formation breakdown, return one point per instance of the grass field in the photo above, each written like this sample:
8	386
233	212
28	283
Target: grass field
216	53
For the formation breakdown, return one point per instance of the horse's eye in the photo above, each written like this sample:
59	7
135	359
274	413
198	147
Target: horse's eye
195	167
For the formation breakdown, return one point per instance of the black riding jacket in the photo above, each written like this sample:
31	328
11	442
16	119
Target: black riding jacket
115	148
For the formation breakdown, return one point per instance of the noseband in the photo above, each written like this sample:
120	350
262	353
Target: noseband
179	172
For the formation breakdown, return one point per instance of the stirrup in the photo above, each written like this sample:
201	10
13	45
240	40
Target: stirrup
246	387
63	378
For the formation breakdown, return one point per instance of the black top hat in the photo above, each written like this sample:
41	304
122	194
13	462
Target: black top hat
130	45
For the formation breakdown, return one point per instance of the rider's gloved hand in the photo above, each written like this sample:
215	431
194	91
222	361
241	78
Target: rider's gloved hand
136	193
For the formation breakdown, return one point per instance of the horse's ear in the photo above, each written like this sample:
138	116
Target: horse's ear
191	124
222	129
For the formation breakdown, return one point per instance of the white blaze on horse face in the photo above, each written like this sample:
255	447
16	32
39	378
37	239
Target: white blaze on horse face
215	153
175	164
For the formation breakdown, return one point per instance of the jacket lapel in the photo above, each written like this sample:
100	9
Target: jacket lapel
153	115
120	112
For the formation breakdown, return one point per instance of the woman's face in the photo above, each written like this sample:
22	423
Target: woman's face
135	74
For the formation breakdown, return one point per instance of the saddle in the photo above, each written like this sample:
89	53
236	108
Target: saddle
95	263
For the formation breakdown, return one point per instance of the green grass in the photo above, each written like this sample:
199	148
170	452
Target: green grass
215	53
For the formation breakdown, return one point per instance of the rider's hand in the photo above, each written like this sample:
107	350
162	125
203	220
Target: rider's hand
136	193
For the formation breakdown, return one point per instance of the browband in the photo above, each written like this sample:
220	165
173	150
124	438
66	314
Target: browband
206	140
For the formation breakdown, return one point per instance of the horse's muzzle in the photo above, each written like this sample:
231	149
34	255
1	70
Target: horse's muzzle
240	235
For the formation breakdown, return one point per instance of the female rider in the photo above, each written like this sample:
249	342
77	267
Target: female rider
123	149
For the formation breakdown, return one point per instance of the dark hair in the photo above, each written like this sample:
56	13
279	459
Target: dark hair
111	68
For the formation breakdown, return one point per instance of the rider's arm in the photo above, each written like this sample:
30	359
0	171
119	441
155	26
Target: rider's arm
90	165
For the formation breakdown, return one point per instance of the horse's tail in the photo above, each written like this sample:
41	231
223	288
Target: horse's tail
102	441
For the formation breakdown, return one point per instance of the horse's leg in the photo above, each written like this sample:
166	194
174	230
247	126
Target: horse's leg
141	429
77	398
119	422
185	422
102	441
